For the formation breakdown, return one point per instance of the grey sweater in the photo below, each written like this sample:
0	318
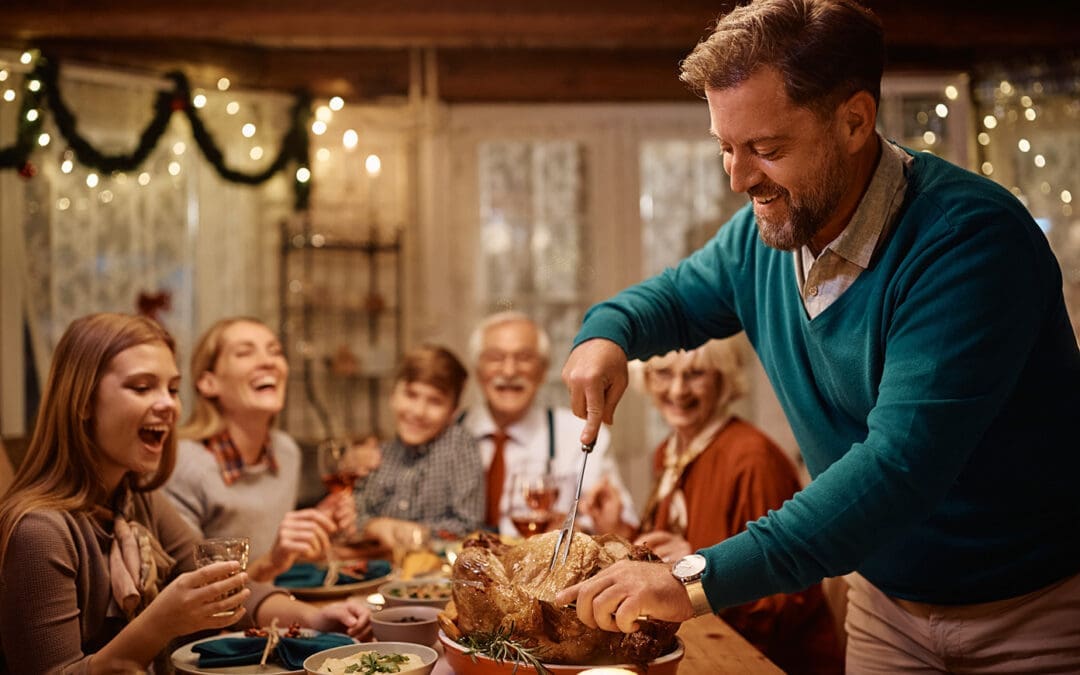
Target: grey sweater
252	507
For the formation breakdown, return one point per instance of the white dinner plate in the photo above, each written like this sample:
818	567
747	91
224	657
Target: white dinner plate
185	660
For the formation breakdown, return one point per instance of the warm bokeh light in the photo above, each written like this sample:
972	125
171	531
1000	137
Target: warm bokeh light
373	165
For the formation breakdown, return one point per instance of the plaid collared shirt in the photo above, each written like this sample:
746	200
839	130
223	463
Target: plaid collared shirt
229	460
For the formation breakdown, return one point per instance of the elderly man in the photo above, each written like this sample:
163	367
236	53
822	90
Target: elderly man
510	354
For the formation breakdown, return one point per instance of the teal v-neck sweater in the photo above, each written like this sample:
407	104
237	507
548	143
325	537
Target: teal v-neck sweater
936	402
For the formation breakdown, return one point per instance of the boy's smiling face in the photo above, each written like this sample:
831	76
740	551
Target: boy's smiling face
421	411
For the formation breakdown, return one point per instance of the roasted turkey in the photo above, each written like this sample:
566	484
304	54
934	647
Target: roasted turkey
508	588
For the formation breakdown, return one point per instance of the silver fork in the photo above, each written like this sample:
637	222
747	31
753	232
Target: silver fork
566	533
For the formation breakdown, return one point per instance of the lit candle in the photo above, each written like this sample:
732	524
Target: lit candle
373	166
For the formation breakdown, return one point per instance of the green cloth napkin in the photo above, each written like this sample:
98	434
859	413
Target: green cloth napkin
244	651
308	575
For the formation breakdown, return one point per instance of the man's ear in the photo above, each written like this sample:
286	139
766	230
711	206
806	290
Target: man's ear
857	118
207	385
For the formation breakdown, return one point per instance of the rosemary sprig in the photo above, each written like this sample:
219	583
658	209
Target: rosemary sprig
373	662
501	646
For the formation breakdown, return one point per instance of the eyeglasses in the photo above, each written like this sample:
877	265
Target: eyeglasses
493	357
665	376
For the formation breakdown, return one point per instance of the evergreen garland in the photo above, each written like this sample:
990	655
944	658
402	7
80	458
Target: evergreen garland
293	146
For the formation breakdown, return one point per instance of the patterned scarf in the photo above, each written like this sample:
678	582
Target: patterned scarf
666	500
137	562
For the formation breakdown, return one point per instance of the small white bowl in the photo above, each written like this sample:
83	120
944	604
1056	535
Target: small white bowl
313	663
416	623
427	592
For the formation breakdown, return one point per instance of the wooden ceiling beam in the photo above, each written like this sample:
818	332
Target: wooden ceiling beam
375	23
634	24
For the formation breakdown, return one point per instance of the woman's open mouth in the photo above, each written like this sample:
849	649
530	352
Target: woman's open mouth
152	435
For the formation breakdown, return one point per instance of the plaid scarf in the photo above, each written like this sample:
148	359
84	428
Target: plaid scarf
229	460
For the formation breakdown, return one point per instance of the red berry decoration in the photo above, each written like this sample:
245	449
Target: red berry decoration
27	170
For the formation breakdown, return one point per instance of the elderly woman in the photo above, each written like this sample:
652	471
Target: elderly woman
714	473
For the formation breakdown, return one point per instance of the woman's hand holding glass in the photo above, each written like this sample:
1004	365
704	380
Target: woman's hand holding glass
211	597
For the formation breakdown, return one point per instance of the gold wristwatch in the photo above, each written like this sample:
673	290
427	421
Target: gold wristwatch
688	571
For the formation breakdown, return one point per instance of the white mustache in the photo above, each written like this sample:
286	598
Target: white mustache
510	381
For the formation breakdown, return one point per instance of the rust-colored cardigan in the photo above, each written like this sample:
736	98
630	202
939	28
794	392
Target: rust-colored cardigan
738	478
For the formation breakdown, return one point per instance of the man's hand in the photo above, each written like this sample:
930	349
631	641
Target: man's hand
614	598
596	376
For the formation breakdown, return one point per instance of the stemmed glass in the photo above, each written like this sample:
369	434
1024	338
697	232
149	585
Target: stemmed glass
338	464
339	468
532	498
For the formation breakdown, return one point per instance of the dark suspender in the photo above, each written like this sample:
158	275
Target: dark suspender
551	438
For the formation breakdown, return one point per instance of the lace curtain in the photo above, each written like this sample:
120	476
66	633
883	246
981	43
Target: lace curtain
95	242
532	238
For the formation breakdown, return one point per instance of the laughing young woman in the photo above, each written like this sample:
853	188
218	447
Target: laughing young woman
96	567
237	475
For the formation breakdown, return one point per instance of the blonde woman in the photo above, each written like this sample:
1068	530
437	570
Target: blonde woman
237	475
96	568
713	474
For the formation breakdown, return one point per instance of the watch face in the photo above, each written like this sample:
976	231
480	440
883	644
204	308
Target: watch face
689	567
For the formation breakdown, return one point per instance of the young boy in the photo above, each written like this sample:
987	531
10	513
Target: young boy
430	478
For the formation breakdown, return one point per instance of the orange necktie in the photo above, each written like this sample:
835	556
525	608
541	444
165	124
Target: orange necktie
496	475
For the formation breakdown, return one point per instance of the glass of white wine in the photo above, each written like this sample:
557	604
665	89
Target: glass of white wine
220	549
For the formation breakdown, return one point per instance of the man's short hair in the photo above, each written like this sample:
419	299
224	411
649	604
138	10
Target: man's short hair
476	340
825	50
435	366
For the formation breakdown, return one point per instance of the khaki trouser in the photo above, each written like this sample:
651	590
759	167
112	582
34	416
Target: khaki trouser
1034	633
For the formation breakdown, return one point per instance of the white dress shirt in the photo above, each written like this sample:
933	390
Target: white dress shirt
528	448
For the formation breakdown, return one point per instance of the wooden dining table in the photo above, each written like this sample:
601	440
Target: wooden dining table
712	647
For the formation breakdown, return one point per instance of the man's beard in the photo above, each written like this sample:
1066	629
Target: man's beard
807	216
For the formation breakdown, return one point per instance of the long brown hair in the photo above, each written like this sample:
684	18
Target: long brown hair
61	470
206	419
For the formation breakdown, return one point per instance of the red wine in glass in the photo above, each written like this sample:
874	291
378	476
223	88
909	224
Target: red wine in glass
531	522
541	497
340	482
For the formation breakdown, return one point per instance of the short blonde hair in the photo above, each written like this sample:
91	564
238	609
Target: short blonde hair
725	356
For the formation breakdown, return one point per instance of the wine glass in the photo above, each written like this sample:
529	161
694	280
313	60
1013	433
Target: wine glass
338	464
532	497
